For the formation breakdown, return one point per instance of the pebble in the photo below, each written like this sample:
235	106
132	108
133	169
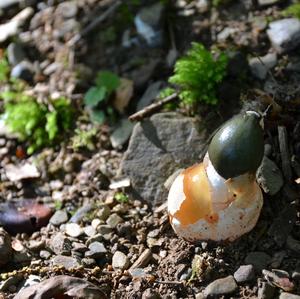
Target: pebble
79	247
222	286
150	294
31	280
103	213
44	254
67	9
285	295
23	70
260	66
120	261
113	220
36	245
121	133
95	223
59	217
96	250
269	176
15	53
104	229
5	247
81	212
258	259
284	34
90	231
265	291
7	3
73	230
244	273
267	2
60	244
67	261
88	262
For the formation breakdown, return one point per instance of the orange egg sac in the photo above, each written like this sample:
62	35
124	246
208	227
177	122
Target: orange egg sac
204	206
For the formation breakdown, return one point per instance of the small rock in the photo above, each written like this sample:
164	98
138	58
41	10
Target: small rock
123	95
285	295
120	261
79	247
113	220
88	262
244	273
265	291
258	259
30	281
90	231
60	244
44	254
5	247
137	273
96	222
67	261
284	34
17	173
269	176
202	5
225	34
96	250
149	95
280	279
260	66
222	286
22	256
186	275
59	218
148	23
73	230
23	70
150	294
36	245
121	133
15	53
103	213
67	9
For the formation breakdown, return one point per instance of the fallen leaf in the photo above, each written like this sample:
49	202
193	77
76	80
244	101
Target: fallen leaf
24	216
21	172
60	287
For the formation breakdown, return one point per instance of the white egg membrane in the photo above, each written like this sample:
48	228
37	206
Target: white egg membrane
234	220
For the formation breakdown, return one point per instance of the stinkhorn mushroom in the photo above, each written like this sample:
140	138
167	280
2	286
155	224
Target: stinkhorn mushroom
219	198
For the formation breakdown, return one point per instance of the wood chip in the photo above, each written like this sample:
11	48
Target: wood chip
143	259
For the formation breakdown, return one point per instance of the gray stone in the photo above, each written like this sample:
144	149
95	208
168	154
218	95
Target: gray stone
285	295
265	291
150	294
222	286
67	9
260	66
67	261
23	70
60	244
120	261
148	24
113	220
22	256
5	247
44	254
15	53
269	176
88	262
244	273
284	34
79	247
159	146
73	230
90	231
81	212
121	133
96	250
103	213
59	217
258	259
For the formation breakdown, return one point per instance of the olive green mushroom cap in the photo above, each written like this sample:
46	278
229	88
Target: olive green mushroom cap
238	146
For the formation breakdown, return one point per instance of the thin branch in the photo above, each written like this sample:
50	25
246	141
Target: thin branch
152	108
94	23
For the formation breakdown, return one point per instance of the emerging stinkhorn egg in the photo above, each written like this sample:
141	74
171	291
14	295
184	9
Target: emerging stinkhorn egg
219	198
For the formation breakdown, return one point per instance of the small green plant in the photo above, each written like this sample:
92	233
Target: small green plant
4	69
36	123
197	75
292	10
96	98
84	139
121	197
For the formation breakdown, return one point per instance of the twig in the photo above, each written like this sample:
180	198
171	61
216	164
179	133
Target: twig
151	108
284	153
168	282
94	23
143	259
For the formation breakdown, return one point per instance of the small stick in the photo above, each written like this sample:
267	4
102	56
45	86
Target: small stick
152	108
94	24
168	282
284	153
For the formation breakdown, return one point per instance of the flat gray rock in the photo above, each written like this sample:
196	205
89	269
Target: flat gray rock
67	261
120	261
159	146
284	34
59	217
269	176
221	286
244	273
260	66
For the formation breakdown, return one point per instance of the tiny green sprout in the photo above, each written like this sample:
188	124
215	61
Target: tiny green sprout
58	205
292	10
121	197
84	139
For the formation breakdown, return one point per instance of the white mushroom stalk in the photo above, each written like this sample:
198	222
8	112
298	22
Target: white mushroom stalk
203	205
